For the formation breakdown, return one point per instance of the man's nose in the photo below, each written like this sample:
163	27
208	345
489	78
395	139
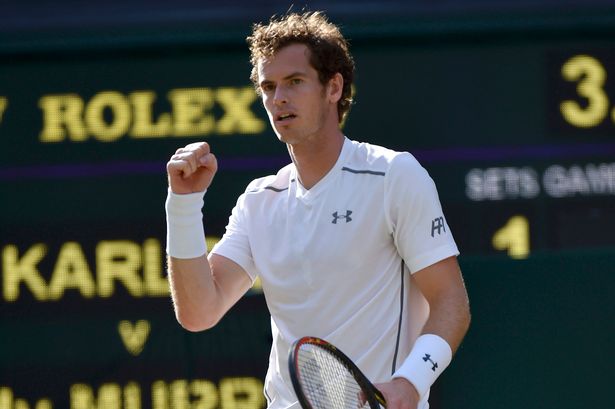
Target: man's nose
280	97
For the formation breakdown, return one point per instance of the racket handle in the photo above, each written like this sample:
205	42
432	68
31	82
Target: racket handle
380	398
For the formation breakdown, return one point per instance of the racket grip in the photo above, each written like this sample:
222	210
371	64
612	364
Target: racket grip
380	398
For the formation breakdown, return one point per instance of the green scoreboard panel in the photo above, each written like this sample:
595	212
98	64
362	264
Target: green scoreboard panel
517	132
86	317
519	137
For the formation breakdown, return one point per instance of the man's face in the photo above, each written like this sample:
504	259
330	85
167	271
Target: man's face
295	100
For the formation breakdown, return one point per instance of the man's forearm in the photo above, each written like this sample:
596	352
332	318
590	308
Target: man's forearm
193	292
449	318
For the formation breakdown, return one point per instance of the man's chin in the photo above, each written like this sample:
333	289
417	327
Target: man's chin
284	136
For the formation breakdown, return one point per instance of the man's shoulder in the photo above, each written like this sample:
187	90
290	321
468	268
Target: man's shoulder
275	183
379	159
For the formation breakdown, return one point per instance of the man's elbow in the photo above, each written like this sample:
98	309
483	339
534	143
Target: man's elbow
465	317
468	318
196	323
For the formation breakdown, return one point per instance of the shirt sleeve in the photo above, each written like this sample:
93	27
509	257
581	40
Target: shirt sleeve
235	243
419	228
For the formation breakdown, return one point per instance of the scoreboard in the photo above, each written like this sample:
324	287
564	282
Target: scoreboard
518	133
86	317
520	138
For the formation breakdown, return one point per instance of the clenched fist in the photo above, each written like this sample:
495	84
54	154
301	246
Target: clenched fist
192	168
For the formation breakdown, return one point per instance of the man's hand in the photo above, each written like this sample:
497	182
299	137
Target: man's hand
399	394
192	168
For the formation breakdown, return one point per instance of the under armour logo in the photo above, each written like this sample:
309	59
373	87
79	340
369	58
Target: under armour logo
426	358
437	225
347	217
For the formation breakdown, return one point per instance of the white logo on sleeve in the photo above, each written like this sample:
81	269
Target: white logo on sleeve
437	226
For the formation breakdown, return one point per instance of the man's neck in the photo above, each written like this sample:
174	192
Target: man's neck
314	160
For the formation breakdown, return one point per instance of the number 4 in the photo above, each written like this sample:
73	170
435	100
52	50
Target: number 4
514	237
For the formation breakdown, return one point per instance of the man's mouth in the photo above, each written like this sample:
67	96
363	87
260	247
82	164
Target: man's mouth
285	117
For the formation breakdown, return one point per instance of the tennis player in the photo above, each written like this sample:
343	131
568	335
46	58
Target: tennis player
349	240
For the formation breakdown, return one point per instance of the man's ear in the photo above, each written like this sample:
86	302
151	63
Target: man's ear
335	88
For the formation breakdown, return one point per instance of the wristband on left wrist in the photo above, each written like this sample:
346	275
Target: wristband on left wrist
429	357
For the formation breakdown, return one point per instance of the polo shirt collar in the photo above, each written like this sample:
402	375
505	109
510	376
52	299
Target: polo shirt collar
308	195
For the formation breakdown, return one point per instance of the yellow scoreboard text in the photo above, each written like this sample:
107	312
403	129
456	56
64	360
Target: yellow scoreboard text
138	267
229	393
110	115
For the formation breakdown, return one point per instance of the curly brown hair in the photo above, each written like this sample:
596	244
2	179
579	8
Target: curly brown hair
328	48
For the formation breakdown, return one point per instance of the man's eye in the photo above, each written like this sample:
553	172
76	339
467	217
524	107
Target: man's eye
267	87
296	81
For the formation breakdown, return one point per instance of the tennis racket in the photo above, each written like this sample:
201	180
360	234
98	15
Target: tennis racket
324	378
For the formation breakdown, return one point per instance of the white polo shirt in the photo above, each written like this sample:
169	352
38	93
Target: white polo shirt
333	260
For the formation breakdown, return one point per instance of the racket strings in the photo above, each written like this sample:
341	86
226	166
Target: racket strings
327	382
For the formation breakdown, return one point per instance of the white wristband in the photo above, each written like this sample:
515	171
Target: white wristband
430	355
185	233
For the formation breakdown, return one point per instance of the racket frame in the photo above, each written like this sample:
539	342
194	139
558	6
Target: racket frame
372	395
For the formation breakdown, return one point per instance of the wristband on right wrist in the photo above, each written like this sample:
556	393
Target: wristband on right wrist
430	355
185	233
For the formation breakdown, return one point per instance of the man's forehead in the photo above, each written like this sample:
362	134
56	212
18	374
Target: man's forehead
291	58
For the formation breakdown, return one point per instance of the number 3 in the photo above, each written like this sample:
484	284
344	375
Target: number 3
591	76
3	104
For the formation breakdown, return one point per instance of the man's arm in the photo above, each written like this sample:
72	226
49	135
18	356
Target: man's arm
449	308
449	318
203	288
